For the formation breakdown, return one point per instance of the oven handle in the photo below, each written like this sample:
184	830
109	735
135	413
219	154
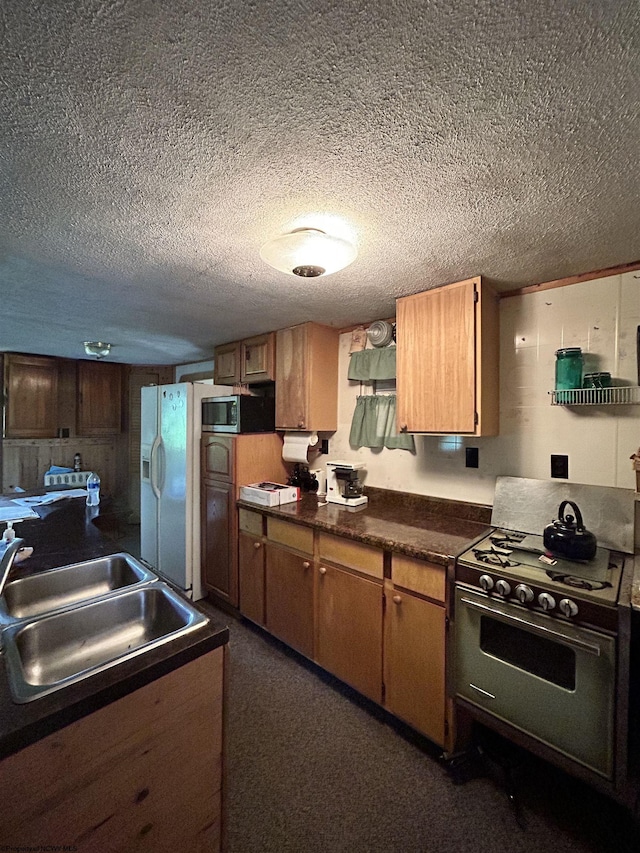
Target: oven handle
584	646
482	692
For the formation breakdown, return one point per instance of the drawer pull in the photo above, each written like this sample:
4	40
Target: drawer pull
306	564
322	570
397	599
257	545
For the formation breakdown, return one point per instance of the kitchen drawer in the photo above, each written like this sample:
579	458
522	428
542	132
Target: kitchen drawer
428	579
250	522
292	535
353	555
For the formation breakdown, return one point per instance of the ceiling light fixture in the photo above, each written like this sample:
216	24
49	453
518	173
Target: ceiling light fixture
308	252
97	348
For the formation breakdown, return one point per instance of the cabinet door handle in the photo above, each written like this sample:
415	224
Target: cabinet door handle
322	570
397	599
306	564
257	545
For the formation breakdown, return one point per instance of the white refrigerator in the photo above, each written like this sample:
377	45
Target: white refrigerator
170	431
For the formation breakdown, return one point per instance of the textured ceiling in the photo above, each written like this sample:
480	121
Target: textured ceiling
148	149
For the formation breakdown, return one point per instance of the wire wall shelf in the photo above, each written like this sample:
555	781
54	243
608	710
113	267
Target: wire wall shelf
621	395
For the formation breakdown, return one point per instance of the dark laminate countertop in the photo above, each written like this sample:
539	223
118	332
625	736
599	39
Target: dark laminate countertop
66	533
428	528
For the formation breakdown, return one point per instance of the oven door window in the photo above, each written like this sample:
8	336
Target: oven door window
536	655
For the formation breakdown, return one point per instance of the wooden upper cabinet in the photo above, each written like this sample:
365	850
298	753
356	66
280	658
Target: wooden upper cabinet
248	362
226	364
31	396
307	378
257	359
448	360
99	398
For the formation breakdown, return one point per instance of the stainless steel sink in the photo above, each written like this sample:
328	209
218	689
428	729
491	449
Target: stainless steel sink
50	652
67	585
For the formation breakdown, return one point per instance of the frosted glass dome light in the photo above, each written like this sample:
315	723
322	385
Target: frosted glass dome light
308	252
98	348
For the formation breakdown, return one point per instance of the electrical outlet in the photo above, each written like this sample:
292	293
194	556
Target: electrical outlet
471	457
560	466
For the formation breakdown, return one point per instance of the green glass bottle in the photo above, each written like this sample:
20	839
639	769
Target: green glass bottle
568	371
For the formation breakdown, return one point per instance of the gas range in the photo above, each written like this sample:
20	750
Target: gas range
516	568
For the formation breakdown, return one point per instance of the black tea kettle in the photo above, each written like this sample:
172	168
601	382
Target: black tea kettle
567	537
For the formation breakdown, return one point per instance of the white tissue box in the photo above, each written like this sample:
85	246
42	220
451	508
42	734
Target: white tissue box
269	494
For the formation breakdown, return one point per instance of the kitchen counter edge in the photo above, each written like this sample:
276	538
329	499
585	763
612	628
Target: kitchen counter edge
431	536
66	532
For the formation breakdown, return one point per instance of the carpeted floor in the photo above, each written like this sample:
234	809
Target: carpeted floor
312	769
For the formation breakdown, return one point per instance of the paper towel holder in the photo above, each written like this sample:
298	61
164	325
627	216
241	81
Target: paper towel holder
296	446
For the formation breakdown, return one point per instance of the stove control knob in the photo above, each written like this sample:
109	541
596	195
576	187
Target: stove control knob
567	607
503	588
546	601
524	593
486	582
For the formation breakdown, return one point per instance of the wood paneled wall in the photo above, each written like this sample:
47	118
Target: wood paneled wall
26	461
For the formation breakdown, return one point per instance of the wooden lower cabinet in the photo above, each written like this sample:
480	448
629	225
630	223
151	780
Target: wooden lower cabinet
251	570
349	628
143	773
251	565
228	462
289	597
414	650
219	539
327	596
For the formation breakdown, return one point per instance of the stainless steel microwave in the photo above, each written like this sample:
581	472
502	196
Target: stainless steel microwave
238	413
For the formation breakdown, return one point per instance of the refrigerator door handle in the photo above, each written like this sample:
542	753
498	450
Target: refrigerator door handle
162	466
152	467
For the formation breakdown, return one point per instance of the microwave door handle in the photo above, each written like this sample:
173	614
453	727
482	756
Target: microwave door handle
152	467
582	645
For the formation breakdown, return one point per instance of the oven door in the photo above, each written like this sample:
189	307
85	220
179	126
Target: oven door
550	679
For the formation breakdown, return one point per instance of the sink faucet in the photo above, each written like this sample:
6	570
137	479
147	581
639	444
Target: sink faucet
7	557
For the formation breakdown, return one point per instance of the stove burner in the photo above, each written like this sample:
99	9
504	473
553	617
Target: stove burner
506	540
493	557
578	583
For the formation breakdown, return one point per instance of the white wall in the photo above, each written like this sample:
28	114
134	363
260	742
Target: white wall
200	371
601	316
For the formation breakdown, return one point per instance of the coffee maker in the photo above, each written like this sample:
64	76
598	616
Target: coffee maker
343	484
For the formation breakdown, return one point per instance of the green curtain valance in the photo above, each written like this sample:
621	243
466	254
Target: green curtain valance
371	364
374	424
